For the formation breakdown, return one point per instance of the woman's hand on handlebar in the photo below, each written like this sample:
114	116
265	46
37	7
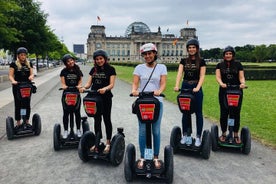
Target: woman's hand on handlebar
14	82
135	93
102	90
223	85
243	86
176	89
157	93
64	87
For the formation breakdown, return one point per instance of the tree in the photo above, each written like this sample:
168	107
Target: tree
260	53
8	35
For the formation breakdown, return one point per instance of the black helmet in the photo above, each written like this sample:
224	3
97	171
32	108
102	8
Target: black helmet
229	49
21	50
66	57
100	53
192	41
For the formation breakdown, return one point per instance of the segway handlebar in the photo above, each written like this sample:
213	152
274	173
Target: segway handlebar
70	88
146	93
235	86
91	91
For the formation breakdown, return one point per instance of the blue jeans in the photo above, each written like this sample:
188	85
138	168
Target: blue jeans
156	135
187	119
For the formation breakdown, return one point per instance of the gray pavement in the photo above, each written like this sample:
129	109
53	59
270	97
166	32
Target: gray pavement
33	159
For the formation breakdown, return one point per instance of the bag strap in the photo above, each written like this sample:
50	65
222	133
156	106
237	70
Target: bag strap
149	78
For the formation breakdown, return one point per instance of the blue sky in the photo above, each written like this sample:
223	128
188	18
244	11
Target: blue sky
218	22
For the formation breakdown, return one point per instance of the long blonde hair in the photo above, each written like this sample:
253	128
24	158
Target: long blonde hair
19	65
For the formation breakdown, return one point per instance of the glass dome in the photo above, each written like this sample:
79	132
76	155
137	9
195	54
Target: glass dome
139	27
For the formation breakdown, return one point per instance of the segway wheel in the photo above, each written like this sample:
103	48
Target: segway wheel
175	138
129	162
117	149
246	140
57	137
36	122
168	157
85	126
214	137
206	144
9	128
86	142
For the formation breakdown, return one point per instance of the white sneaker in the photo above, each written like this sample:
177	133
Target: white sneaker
65	134
189	140
197	142
183	140
79	133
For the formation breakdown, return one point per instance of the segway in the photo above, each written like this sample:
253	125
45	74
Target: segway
232	102
71	101
24	93
147	111
186	104
93	106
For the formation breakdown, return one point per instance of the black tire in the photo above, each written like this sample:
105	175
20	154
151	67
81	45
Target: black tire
129	163
214	137
246	140
9	128
117	149
175	138
168	157
206	144
85	126
86	142
36	122
57	137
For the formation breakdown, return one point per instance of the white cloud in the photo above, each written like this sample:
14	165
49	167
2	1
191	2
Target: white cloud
218	23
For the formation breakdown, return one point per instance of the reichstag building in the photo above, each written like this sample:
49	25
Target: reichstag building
126	48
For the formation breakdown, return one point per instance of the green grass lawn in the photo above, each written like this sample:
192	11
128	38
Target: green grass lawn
258	109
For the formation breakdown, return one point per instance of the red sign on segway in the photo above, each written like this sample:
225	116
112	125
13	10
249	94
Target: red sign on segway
25	92
71	99
233	100
147	111
90	107
185	103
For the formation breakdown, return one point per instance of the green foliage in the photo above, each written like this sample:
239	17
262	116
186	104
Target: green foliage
258	109
23	23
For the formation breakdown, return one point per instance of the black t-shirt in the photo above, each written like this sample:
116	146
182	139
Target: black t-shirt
229	72
191	72
21	74
71	76
101	76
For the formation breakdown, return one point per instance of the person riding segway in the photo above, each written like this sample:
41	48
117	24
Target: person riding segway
149	81
21	76
97	104
192	69
230	76
71	79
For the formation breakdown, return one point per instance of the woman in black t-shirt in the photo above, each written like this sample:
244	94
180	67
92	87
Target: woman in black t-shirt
102	78
194	69
21	71
71	76
229	72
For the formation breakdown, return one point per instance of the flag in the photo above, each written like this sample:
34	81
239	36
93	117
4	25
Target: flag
98	18
168	30
187	22
175	41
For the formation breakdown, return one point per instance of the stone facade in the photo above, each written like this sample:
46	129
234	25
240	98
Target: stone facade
126	48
